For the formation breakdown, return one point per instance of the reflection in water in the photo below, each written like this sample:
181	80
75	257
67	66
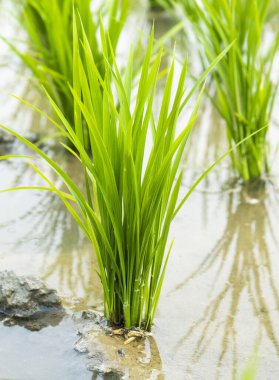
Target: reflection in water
35	323
66	258
244	280
211	138
44	355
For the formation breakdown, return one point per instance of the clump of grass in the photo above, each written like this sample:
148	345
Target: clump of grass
243	80
49	26
132	173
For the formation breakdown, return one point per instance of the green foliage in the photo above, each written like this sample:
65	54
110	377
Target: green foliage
245	91
161	4
49	25
131	172
273	11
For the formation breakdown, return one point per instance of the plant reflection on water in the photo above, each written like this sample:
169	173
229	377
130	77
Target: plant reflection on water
66	259
244	278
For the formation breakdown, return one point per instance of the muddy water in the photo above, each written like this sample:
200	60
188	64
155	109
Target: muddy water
220	301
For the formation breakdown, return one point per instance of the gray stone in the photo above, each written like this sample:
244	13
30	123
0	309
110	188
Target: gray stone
24	297
81	346
103	370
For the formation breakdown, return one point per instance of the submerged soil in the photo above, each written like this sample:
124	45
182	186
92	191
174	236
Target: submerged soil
220	300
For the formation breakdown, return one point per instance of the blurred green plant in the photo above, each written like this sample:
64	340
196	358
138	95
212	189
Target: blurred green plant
273	10
243	80
49	26
250	370
161	4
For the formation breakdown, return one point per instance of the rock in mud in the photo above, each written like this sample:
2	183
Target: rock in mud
25	297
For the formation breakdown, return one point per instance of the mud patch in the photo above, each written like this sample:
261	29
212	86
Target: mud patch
110	357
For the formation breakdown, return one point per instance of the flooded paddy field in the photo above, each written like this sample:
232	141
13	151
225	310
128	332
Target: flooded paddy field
220	299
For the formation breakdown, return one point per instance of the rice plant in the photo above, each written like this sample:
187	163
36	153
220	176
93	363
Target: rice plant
132	174
243	80
49	27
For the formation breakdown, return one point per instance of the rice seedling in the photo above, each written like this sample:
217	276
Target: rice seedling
243	80
132	175
49	27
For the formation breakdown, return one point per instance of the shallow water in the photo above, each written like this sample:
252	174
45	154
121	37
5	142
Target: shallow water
43	355
220	301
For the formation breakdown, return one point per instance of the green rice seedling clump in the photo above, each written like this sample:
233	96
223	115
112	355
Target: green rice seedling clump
132	173
243	80
49	27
